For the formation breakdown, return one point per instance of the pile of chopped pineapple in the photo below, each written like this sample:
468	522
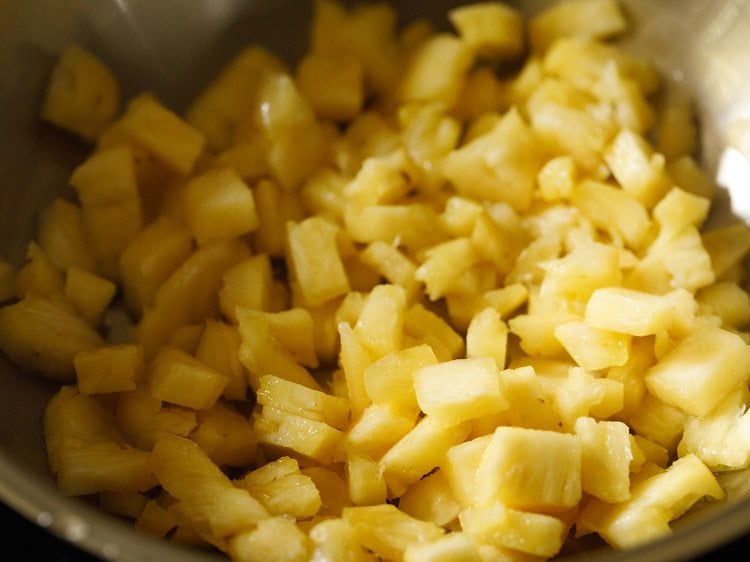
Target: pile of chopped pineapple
425	296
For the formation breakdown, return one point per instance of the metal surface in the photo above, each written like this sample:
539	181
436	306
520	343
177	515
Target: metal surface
172	47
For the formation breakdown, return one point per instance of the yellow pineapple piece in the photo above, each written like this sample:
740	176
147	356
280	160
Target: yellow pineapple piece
293	329
431	499
584	18
492	29
156	520
530	469
275	539
459	390
606	455
579	273
65	335
312	249
536	329
335	540
412	225
531	404
640	359
275	208
460	466
38	276
701	370
557	178
533	533
443	263
334	494
143	419
381	322
219	205
381	180
189	294
354	358
179	378
205	496
225	435
378	428
366	482
428	327
114	368
726	246
392	264
219	347
83	95
477	168
334	85
658	421
247	158
323	192
303	401
581	394
125	504
282	489
418	452
88	293
452	547
686	173
593	348
460	215
62	236
389	380
387	531
632	109
728	301
185	338
248	284
487	336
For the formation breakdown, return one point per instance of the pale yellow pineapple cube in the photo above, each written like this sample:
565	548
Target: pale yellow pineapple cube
290	432
219	205
276	539
581	394
293	328
83	95
249	284
536	329
444	263
452	547
62	236
303	401
219	347
179	378
390	379
333	490
275	208
686	173
460	468
162	132
728	301
189	294
533	533
557	178
378	428
593	348
507	155
334	85
151	257
387	531
492	29
632	109
65	335
323	192
313	250
366	482
428	327
584	18
247	158
586	268
606	455
418	452
435	71
38	276
88	293
459	390
381	180
282	489
726	246
380	325
114	368
392	264
460	215
531	403
335	540
205	496
354	358
156	520
431	499
658	421
143	419
225	435
530	469
640	359
412	225
656	501
701	370
186	338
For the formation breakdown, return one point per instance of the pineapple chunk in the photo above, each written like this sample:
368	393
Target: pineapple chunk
366	482
276	539
179	378
412	225
88	293
508	155
334	85
205	496
83	95
453	547
219	205
487	336
581	394
275	208
431	499
387	531
444	263
577	275
726	246
593	348
459	390
701	370
380	325
531	404
378	428
493	30
686	173
293	329
659	422
460	468
606	455
530	470
156	520
109	369
226	436
728	301
354	358
392	264
38	276
334	494
65	335
248	284
62	236
219	347
335	541
426	326
125	504
533	533
557	178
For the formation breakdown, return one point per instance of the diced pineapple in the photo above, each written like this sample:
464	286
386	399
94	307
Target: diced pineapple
65	335
508	155
686	173
677	133
701	370
453	547
225	435
248	284
728	301
219	347
275	208
593	348
431	499
578	274
334	85
125	504
378	428
426	326
38	276
534	533
62	236
557	178
179	378
109	369
381	322
276	539
584	18
444	263
726	246
387	531
492	29
536	329
656	501
88	293
582	394
83	95
679	209
156	520
605	458
219	205
366	482
530	469
204	494
460	467
659	422
640	359
459	390
335	541
392	264
354	358
413	225
301	400
185	338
